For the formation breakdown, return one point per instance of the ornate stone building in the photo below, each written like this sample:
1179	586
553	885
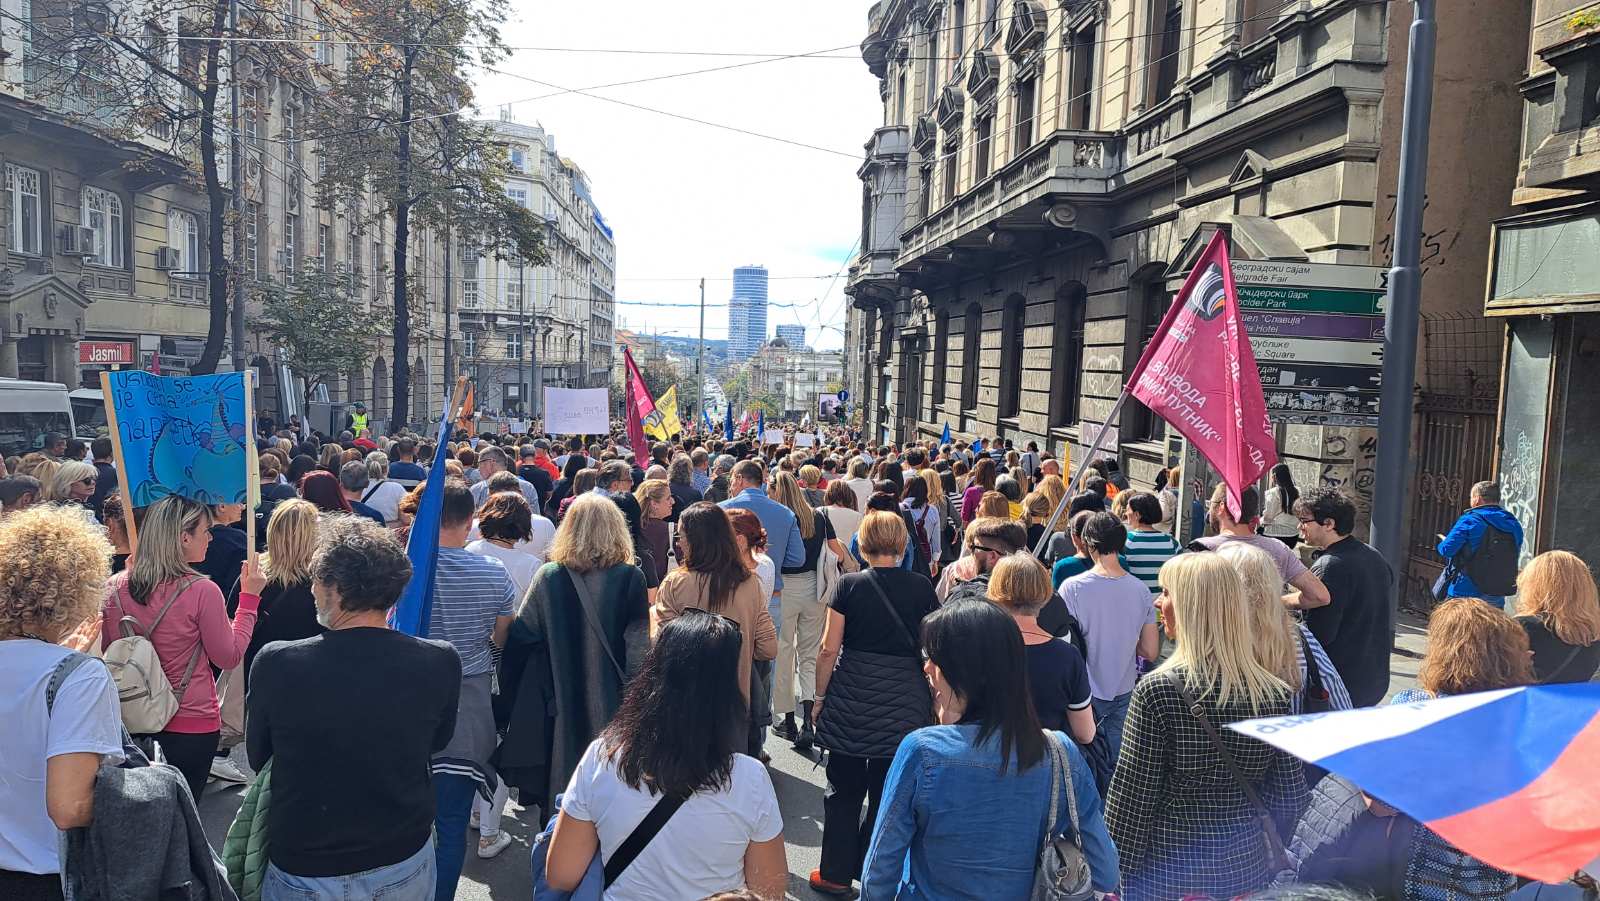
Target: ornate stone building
1048	169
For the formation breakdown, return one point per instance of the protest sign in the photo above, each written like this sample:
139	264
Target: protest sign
187	435
577	411
772	436
801	439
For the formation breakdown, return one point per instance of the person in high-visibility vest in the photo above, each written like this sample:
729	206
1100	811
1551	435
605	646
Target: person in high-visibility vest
356	420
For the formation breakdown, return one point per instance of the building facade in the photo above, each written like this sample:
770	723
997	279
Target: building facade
524	327
1544	284
792	335
747	312
794	376
1047	172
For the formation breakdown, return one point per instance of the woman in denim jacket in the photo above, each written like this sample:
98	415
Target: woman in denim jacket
965	802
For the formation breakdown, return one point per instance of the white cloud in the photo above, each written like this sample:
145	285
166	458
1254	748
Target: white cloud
688	200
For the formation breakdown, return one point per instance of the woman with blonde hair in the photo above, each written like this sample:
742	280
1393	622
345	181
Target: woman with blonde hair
54	579
581	630
287	612
40	467
1054	488
185	617
655	506
331	457
1560	611
1172	782
993	503
801	612
73	483
1283	646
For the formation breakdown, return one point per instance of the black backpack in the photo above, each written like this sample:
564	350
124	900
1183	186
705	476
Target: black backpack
1493	567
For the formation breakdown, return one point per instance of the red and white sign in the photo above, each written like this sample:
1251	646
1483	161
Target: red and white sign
106	353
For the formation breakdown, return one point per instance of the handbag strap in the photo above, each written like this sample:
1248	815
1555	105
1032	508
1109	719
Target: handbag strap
58	677
1313	686
1274	839
1571	656
872	579
1060	760
586	602
199	645
641	836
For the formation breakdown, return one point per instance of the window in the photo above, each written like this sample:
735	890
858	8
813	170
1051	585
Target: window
514	291
951	160
866	217
1149	302
991	19
519	160
900	100
324	246
469	284
1024	112
291	247
1013	322
469	344
971	338
324	46
23	187
183	235
291	118
514	345
519	196
250	109
1168	40
931	70
982	147
1066	354
252	239
1080	79
102	213
925	195
941	354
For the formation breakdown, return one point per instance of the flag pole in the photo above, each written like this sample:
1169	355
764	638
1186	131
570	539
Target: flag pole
1077	476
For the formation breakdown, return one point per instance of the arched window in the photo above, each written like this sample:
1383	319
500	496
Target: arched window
941	353
1013	325
183	235
1066	353
102	214
971	339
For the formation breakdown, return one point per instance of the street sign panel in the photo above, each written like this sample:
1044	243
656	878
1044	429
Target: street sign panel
1318	375
1310	275
1310	300
1317	350
1261	323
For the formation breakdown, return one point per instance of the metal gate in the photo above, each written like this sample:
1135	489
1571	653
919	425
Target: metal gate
1456	414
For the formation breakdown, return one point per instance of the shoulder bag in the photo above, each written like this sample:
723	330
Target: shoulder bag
1315	696
586	602
600	875
1063	873
1277	857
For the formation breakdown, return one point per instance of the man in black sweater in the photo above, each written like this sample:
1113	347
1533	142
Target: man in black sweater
349	720
1356	626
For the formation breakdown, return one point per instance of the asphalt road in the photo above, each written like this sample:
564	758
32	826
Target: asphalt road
798	781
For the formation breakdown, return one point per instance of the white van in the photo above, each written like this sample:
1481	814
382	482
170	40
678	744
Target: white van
88	412
31	410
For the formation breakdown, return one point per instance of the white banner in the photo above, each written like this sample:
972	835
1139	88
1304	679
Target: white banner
772	436
801	439
577	411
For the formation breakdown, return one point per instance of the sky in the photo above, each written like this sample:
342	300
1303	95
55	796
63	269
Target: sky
687	200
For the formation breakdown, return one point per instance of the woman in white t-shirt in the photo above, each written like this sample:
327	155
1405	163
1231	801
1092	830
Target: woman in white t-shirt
1278	519
54	579
673	741
382	495
506	523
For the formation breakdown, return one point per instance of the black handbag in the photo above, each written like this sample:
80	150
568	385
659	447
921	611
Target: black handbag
1316	697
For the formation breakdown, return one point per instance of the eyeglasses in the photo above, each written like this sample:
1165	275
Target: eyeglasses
979	547
704	612
1304	521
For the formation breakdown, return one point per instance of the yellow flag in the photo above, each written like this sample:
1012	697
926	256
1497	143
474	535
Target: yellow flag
667	424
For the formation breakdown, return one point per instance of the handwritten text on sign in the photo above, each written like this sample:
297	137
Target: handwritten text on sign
577	411
183	435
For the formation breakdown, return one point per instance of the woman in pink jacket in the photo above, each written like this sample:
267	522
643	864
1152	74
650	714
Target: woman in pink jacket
184	616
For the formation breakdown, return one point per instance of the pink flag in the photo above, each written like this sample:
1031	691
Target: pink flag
640	406
1199	374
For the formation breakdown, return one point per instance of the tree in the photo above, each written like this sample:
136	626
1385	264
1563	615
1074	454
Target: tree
660	373
150	75
402	142
320	324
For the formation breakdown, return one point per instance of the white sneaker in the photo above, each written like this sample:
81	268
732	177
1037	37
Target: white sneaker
495	844
223	769
473	823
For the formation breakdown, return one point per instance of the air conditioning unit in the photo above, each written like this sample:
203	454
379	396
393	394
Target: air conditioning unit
167	259
74	240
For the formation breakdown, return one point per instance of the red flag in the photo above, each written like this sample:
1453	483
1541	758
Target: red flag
640	405
1217	407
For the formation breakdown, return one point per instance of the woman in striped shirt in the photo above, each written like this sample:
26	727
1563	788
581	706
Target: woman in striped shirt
1148	546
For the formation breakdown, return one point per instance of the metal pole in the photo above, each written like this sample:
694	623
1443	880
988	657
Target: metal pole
1403	309
449	307
1077	476
700	357
522	323
236	178
533	354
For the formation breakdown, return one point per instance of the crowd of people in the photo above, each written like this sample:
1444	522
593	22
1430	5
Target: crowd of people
985	659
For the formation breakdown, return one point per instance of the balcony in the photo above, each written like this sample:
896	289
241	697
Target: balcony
883	177
1567	159
1051	189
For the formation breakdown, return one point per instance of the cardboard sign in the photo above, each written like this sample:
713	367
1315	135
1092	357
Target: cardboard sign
577	411
187	435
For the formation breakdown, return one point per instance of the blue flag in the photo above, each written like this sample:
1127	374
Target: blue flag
761	424
727	423
706	415
945	438
412	614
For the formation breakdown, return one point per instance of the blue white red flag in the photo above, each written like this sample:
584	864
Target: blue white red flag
1507	776
412	614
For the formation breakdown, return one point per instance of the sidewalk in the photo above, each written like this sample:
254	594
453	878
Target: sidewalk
1410	641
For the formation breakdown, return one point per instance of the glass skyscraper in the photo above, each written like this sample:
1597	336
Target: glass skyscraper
747	312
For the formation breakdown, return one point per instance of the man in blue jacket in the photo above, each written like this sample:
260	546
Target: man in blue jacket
1498	570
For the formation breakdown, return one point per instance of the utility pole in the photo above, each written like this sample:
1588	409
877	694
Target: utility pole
533	346
700	358
522	323
449	307
1404	304
236	178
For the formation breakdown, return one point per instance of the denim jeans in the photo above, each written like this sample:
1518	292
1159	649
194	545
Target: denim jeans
452	797
1109	716
409	880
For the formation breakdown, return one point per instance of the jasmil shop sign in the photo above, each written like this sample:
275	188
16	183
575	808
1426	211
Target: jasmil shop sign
106	353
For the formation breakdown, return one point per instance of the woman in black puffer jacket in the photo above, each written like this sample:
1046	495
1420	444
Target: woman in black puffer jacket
875	697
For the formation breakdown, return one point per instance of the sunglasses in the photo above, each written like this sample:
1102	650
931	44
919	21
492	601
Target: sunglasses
704	612
979	547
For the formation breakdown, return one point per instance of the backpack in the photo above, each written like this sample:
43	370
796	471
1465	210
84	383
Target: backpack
924	555
1493	567
148	699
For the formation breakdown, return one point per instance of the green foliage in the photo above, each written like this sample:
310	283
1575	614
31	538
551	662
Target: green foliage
1589	18
660	373
321	324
